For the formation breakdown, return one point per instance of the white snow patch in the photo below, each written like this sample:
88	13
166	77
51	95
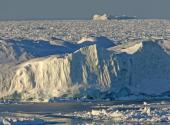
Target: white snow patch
86	39
129	48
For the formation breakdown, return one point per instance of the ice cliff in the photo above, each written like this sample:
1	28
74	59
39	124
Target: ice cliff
95	69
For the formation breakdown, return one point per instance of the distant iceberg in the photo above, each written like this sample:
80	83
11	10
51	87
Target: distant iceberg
101	17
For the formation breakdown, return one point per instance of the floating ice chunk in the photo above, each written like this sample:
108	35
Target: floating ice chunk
145	103
98	112
95	112
147	110
163	103
117	115
164	118
6	122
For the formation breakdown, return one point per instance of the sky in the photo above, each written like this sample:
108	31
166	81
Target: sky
82	9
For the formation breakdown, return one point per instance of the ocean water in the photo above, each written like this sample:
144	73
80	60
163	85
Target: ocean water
75	112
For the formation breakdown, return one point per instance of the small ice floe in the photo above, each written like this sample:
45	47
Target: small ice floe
164	119
145	103
98	112
117	115
6	122
146	108
21	121
163	103
104	114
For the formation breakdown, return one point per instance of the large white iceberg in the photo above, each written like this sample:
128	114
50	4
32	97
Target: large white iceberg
97	70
